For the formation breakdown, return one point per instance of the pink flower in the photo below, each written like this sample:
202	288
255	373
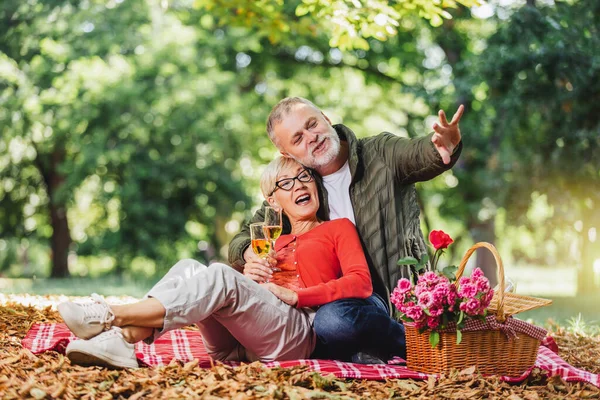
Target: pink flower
452	295
433	322
426	299
473	307
436	311
430	278
441	293
477	273
415	313
421	323
420	288
463	281
397	298
467	291
483	285
404	285
487	298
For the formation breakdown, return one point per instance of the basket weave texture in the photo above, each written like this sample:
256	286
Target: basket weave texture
490	350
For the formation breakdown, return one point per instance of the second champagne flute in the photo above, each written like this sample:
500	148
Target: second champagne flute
272	226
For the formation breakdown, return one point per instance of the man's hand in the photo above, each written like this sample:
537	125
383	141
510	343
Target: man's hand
447	135
286	295
256	268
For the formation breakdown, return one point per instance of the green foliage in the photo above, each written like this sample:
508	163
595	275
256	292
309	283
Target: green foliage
434	338
349	24
125	107
529	171
141	123
450	272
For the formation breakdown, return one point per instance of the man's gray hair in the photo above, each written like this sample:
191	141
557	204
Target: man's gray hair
280	110
272	171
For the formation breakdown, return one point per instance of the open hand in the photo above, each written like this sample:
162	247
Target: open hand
447	135
286	295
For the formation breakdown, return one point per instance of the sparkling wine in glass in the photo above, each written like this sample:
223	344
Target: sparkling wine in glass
261	245
272	226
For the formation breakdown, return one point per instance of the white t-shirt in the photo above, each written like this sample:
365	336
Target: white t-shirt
338	193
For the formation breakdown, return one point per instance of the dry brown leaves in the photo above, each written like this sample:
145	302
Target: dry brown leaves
50	375
579	350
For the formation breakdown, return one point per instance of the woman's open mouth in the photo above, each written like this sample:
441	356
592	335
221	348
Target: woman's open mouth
302	200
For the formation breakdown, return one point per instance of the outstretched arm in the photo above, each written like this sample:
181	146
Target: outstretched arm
423	158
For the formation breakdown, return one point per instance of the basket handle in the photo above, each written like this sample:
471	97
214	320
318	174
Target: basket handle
499	272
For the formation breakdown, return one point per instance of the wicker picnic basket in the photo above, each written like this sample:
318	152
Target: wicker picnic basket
490	350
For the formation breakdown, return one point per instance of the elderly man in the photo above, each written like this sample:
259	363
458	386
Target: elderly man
369	181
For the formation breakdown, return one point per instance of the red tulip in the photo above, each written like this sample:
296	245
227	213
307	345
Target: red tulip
440	239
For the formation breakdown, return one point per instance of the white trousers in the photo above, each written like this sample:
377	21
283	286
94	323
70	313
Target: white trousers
239	319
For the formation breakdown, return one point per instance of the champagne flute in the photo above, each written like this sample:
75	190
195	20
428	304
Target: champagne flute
272	226
261	245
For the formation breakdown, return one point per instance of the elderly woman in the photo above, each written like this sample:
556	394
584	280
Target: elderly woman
239	319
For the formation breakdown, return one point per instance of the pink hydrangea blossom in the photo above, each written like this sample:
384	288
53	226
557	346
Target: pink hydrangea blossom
483	285
415	313
433	322
436	311
434	296
404	285
464	280
467	290
477	273
473	307
426	299
430	277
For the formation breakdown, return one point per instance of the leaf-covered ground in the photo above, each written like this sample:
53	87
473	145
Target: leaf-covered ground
50	375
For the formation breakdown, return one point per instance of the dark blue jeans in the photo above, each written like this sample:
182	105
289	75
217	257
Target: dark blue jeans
348	326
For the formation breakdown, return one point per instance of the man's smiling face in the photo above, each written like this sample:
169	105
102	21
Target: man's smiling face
307	136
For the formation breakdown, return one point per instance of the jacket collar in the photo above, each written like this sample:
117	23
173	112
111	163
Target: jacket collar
347	135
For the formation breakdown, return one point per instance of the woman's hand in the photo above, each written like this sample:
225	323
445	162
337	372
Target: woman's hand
286	295
259	269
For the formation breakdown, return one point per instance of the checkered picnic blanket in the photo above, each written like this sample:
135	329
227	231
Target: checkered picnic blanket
186	345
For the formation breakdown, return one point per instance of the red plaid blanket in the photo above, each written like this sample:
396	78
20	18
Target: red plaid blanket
187	345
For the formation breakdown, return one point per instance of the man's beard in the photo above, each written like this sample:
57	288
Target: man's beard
317	162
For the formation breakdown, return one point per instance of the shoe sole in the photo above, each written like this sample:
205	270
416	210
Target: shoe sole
85	359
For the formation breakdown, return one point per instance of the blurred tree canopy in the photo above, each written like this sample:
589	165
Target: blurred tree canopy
132	132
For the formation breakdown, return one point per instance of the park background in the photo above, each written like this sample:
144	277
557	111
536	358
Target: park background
132	133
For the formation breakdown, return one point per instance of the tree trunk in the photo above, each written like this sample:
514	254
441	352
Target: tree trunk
61	236
484	232
61	240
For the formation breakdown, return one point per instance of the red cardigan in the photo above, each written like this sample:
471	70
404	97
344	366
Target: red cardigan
330	263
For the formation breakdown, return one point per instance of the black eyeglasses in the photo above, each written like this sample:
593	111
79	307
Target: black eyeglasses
287	184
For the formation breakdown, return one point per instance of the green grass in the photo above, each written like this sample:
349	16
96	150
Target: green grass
107	286
564	309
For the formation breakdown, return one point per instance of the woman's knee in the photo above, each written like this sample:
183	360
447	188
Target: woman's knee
187	267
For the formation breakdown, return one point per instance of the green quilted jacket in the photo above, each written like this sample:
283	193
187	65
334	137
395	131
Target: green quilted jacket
384	169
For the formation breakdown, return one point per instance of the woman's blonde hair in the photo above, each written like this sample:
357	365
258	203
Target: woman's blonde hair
272	171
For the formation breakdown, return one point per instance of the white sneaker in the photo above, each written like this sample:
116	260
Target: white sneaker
107	349
86	320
